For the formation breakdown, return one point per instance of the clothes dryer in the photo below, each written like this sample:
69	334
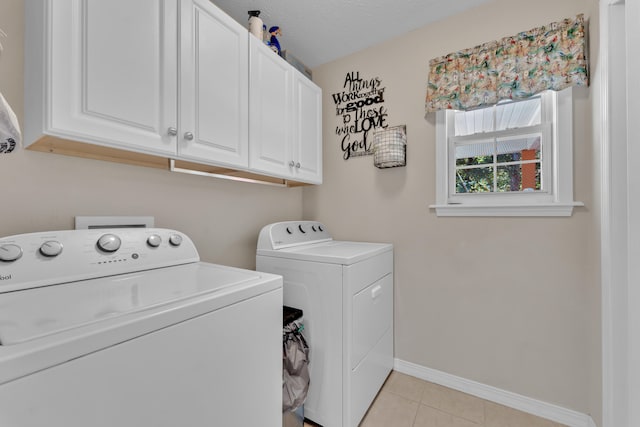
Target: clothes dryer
345	290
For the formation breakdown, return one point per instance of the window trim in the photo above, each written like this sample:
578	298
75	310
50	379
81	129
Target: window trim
558	201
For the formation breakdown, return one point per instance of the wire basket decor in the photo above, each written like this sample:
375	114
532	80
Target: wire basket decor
390	147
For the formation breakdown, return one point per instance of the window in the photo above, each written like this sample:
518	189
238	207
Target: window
510	159
499	149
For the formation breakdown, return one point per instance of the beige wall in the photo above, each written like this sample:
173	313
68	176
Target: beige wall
44	192
509	302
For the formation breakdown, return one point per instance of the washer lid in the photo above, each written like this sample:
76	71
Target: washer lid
33	313
333	252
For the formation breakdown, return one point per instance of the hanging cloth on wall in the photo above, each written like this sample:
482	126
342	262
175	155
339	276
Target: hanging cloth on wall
517	67
9	128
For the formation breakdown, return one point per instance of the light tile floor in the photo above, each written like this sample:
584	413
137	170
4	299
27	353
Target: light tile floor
405	401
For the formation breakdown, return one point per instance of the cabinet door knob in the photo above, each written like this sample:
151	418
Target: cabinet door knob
172	131
188	136
298	165
291	164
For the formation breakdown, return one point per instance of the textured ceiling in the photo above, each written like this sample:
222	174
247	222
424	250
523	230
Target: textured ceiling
320	31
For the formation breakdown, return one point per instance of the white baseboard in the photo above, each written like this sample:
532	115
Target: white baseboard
513	400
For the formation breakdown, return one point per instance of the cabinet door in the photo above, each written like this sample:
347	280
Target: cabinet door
270	112
307	142
213	86
111	72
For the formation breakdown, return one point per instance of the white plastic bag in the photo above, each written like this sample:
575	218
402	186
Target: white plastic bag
10	136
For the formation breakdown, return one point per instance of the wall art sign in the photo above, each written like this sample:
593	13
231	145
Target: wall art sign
360	104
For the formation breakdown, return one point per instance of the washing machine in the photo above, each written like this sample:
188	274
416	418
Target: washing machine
345	290
128	328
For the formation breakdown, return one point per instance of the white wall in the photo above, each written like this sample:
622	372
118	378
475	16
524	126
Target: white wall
611	85
42	191
509	302
632	16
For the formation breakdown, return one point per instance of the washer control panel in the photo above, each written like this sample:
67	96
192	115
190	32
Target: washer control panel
49	258
292	233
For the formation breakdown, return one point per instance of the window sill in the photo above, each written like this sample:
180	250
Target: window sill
550	209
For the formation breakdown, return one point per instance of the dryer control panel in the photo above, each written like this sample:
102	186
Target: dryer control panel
292	233
55	257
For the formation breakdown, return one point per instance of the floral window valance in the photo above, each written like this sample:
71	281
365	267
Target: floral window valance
549	57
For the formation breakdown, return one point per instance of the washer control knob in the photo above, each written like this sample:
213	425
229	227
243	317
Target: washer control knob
175	240
154	240
109	243
320	228
301	229
10	252
51	248
289	230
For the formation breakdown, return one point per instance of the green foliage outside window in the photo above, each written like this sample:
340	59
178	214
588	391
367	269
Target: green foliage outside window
481	179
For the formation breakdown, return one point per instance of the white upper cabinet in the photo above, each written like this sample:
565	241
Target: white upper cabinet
307	139
213	86
270	111
146	81
284	117
112	77
110	72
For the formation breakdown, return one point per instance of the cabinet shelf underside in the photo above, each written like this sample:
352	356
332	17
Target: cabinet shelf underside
51	144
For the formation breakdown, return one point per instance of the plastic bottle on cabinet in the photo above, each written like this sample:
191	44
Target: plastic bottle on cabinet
255	24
